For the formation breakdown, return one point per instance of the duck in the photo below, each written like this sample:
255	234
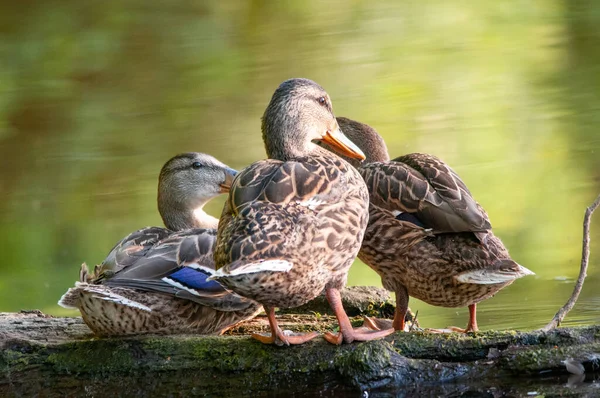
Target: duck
155	279
186	183
293	223
427	237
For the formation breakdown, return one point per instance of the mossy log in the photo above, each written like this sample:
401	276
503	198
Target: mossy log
46	355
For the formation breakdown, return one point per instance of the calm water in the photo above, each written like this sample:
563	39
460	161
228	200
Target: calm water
95	98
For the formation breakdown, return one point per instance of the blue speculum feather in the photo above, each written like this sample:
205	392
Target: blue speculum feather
195	279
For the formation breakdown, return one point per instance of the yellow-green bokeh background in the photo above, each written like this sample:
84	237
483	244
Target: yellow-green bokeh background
96	95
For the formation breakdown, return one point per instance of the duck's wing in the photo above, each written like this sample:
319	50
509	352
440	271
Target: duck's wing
128	251
269	202
284	183
426	188
180	266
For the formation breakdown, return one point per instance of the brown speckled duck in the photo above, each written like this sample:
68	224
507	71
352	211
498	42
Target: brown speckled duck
427	237
293	224
155	279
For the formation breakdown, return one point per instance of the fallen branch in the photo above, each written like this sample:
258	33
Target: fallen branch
585	256
46	356
40	354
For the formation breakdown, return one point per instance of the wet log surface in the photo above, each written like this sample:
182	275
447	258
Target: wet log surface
50	356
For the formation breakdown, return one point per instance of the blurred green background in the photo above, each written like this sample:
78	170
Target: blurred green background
95	96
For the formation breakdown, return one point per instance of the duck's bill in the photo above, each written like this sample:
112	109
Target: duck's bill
229	176
342	144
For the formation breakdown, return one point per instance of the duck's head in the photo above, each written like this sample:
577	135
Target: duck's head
298	117
366	138
186	183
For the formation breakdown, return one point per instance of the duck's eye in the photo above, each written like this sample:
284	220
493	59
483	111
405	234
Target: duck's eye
196	165
322	100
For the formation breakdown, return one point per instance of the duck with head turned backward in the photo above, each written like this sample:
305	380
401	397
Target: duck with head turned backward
427	237
155	280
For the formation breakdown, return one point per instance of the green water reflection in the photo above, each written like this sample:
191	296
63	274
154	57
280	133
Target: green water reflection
95	97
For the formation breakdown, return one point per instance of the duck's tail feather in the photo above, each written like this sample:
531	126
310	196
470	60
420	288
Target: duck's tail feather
71	299
84	273
503	271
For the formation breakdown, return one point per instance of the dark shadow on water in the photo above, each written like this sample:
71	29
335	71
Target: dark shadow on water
171	384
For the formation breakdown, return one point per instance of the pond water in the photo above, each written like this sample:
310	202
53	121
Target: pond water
95	98
184	383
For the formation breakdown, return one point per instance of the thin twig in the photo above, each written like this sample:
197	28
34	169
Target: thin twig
585	256
415	322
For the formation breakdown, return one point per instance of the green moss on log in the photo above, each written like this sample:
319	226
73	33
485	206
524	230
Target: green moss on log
36	350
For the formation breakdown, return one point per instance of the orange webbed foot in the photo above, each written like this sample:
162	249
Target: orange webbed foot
377	324
280	338
359	334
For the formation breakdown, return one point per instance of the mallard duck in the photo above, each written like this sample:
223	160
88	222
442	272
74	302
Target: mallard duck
155	279
293	224
427	237
186	183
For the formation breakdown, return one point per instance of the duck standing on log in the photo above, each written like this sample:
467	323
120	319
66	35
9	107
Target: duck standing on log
155	279
293	223
427	237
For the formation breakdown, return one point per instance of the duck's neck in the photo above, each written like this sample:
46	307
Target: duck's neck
204	220
278	125
367	139
179	216
286	150
319	151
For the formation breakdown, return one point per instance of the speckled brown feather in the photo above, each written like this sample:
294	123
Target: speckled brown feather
192	246
129	250
449	240
422	184
140	284
293	226
167	315
428	266
131	293
304	211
